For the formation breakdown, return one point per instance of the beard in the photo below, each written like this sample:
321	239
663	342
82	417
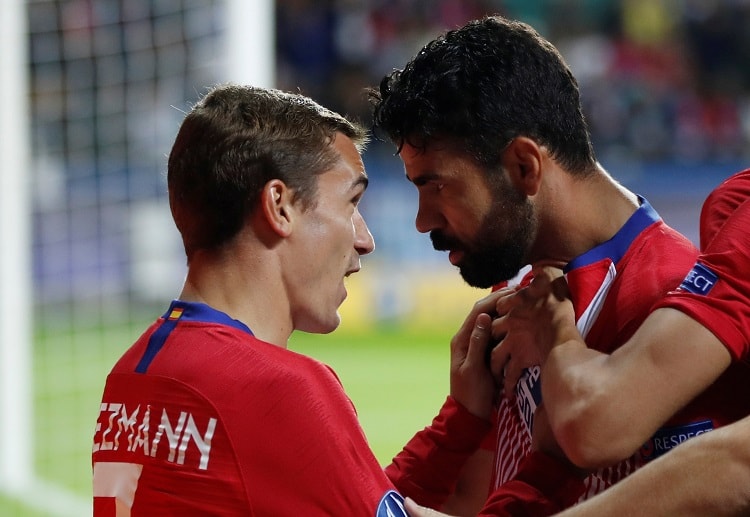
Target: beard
501	246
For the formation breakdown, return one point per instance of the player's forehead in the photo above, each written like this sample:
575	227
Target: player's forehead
347	173
348	152
437	161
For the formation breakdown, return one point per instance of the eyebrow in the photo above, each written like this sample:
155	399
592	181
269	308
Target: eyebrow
361	180
423	178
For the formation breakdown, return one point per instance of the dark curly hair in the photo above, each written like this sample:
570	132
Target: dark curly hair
482	85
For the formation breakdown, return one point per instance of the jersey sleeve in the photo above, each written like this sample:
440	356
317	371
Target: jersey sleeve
300	447
428	466
543	486
716	292
721	203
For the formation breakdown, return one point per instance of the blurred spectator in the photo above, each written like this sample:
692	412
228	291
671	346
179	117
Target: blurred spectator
660	79
307	57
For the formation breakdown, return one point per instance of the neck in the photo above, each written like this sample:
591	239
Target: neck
583	213
239	289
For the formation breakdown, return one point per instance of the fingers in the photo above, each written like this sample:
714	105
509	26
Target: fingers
472	384
480	339
512	372
516	350
560	289
499	328
505	299
485	305
540	286
508	368
474	347
413	509
551	271
498	359
549	281
546	282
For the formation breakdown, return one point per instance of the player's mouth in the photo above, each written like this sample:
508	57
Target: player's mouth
455	256
454	247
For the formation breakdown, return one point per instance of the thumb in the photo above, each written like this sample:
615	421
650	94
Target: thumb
479	340
414	509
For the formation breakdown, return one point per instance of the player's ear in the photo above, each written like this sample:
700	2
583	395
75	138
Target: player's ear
277	205
523	159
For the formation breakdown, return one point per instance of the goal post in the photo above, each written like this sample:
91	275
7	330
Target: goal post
250	40
16	457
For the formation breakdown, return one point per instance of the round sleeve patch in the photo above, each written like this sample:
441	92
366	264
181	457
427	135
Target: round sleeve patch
391	505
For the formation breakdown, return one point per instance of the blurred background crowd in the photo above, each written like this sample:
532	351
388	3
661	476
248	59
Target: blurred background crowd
665	86
660	79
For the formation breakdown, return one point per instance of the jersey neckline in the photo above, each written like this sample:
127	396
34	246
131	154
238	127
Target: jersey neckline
616	247
203	313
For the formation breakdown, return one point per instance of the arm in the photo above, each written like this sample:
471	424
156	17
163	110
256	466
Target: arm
545	483
590	396
473	387
708	475
428	467
543	486
473	484
473	480
471	490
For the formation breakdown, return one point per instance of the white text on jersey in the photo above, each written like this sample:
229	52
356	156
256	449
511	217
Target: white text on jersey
132	431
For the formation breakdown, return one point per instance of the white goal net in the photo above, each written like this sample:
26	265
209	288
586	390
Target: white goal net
89	253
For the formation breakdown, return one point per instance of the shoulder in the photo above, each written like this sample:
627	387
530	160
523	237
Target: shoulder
722	203
659	259
654	265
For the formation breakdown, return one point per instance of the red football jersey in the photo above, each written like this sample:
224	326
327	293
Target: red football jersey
543	486
716	292
613	287
713	293
199	417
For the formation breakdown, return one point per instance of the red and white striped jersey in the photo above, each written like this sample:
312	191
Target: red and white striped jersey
613	287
